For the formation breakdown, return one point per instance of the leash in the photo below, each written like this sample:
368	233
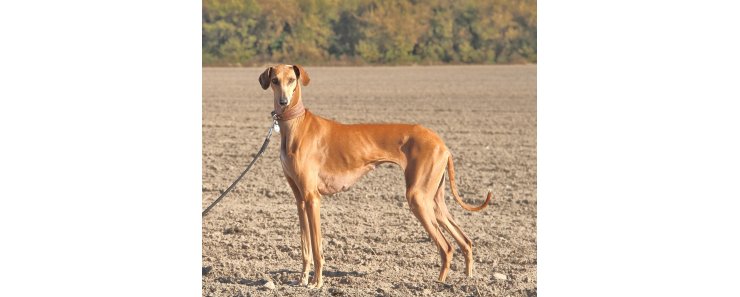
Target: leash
259	153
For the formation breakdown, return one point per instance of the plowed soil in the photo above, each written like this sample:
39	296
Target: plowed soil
373	244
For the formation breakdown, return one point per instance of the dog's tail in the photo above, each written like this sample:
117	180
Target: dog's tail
453	188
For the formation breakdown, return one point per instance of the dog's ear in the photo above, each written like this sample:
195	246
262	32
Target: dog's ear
301	74
265	78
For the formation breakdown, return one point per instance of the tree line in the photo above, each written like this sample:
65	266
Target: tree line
358	32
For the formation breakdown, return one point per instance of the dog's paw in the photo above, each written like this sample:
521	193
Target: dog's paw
316	284
304	280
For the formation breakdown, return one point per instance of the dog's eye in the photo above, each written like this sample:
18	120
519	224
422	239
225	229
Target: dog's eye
274	81
291	80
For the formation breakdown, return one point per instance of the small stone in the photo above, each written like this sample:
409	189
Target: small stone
232	230
269	285
500	276
207	269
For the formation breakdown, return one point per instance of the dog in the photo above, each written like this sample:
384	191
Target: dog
324	157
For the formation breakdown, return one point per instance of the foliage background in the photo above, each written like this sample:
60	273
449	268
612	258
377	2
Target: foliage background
357	32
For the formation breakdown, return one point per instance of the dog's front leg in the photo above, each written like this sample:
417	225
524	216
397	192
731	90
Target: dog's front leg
305	235
313	209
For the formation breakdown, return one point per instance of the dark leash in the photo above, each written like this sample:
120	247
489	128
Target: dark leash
259	153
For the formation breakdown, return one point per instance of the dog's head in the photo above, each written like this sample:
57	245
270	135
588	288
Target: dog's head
284	82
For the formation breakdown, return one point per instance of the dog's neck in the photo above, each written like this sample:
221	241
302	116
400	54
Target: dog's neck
289	119
291	112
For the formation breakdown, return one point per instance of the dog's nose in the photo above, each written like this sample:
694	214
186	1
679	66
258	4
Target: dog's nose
283	101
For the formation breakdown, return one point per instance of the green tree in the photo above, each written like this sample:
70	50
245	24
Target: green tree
247	32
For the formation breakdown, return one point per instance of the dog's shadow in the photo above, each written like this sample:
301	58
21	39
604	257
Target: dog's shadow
291	277
284	277
338	273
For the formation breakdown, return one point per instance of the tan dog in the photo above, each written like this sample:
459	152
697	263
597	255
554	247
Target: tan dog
323	157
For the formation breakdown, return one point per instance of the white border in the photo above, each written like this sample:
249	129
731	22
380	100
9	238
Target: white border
637	148
101	148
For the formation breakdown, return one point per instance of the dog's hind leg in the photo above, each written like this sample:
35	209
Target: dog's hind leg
420	191
424	211
444	219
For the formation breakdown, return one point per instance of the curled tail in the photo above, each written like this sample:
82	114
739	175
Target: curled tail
453	188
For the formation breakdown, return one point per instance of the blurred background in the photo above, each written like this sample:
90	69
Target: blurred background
369	32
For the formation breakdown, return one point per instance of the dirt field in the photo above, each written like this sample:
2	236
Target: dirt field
373	244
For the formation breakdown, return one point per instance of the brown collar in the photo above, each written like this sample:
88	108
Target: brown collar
291	113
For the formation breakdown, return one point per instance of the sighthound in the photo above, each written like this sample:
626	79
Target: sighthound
324	157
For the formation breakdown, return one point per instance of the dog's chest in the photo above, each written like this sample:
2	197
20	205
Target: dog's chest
287	168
